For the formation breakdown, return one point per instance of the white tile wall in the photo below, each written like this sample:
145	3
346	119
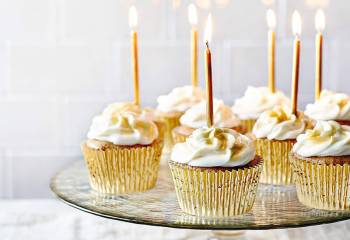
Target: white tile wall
107	20
62	61
60	69
5	176
43	162
28	21
160	68
72	111
28	123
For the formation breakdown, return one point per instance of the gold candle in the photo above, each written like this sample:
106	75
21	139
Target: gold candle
320	25
192	17
296	60
134	53
271	22
208	73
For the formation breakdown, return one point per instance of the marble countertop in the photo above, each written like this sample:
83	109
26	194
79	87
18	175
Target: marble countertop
51	219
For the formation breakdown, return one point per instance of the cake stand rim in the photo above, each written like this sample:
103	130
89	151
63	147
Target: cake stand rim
183	225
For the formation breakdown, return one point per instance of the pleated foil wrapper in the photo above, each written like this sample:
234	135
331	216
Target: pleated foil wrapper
170	122
123	169
215	193
248	125
322	186
277	168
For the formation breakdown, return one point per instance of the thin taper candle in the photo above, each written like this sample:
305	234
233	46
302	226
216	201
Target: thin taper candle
271	22
194	57
320	22
271	59
193	19
296	25
134	53
318	67
135	64
295	77
209	84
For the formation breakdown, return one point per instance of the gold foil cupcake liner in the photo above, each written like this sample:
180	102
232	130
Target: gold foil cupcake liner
215	193
277	169
170	123
248	124
123	169
322	186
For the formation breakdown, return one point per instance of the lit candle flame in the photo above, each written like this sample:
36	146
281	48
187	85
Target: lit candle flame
296	23
271	19
208	29
132	17
320	20
192	14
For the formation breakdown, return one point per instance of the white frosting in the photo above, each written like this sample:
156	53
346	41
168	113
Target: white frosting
330	106
196	116
256	100
328	138
214	147
122	127
180	99
279	124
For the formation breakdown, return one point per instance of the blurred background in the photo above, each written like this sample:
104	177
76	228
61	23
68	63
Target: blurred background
63	61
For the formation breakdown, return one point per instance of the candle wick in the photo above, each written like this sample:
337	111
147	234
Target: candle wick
207	44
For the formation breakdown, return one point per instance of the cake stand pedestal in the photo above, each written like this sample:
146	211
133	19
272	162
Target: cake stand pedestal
275	207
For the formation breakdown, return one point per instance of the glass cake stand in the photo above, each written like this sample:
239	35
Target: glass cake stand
275	206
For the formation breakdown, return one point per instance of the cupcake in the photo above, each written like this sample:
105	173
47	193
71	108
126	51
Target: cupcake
321	165
255	101
275	132
172	106
215	172
330	106
147	113
122	152
196	117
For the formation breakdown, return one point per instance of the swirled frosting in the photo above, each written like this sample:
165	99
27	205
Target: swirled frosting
256	100
122	127
196	116
180	99
279	124
330	106
214	147
327	138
